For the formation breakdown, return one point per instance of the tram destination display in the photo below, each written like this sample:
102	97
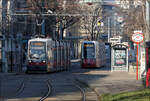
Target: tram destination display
37	45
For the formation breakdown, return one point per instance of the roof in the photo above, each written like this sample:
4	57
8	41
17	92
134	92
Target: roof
89	41
120	45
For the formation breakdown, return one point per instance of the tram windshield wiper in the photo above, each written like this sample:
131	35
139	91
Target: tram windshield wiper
35	56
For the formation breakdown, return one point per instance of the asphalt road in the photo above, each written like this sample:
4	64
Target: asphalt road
58	86
74	85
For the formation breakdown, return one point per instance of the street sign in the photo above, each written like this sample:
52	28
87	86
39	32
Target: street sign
115	40
137	37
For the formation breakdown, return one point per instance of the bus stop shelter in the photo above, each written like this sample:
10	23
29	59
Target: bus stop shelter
119	57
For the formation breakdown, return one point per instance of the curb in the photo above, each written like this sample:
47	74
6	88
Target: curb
9	74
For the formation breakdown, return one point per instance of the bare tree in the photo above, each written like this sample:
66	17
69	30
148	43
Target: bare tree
89	23
63	10
134	17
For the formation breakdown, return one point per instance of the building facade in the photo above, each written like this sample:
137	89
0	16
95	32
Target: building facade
127	4
12	32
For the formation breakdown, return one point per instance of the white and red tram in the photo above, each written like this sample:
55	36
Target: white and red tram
92	54
47	55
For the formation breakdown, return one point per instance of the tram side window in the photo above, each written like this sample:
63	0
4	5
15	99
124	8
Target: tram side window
89	50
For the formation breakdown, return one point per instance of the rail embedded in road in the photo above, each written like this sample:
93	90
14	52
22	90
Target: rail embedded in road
49	90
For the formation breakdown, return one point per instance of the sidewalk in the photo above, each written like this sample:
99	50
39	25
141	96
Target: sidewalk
113	83
103	81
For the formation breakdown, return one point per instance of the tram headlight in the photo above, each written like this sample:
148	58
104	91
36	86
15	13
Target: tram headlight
43	61
30	61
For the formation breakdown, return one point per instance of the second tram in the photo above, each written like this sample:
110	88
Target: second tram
92	54
47	55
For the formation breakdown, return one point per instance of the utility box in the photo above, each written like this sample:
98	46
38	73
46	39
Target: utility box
119	57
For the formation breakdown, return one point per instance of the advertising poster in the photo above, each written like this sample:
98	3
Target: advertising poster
120	57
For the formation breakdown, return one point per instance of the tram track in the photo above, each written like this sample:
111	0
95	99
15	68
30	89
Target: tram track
12	93
80	86
82	91
67	90
88	91
21	87
25	86
50	88
48	92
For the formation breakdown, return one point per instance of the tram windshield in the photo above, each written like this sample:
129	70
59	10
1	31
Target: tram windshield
37	50
89	50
